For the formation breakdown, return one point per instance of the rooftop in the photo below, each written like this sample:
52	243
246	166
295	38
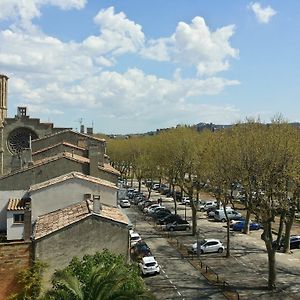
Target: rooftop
71	175
54	221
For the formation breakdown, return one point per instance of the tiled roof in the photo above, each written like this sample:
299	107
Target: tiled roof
69	176
46	160
69	130
54	221
17	204
110	169
56	145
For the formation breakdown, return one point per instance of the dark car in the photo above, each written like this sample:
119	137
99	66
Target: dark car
240	225
161	214
139	250
178	225
169	219
294	242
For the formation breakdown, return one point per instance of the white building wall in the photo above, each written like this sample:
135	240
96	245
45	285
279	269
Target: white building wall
14	231
4	197
66	193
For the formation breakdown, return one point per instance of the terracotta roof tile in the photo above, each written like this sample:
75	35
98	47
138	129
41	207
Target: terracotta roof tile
110	169
69	130
69	176
17	204
54	221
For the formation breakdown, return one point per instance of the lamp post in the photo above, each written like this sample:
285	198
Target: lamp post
185	211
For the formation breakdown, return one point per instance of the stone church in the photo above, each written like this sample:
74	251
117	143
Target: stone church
32	151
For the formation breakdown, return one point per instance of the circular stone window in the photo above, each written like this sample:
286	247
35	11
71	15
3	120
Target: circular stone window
18	139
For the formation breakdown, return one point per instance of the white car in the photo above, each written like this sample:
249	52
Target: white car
124	203
146	209
185	200
149	265
134	238
208	246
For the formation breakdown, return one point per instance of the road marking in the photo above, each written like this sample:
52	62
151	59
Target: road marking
179	293
171	281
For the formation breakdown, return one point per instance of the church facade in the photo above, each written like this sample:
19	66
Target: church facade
16	133
32	151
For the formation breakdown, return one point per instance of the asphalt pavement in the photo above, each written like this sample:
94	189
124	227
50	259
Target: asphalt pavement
246	269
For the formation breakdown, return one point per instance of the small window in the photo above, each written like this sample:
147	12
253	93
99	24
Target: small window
18	218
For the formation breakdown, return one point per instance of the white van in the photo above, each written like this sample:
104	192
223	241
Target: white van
231	214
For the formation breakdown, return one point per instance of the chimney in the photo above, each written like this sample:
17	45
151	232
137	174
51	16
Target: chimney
96	204
95	157
3	97
89	130
87	197
81	128
27	221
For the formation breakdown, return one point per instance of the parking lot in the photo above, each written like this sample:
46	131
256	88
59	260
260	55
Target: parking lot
246	268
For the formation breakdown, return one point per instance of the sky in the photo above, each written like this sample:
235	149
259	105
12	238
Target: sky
132	66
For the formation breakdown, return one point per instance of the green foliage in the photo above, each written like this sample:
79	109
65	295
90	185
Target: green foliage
31	280
101	276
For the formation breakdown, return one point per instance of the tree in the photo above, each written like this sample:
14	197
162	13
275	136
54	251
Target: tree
103	276
31	282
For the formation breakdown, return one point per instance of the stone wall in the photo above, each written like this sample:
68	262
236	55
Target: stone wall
40	129
68	136
14	257
84	237
24	179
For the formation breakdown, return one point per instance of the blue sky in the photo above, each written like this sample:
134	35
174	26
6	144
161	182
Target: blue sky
130	66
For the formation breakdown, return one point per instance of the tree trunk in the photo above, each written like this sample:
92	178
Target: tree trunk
174	197
288	226
194	218
228	239
281	225
140	184
246	228
267	238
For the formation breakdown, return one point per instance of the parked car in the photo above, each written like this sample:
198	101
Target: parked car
149	265
140	250
208	246
240	225
124	203
232	222
160	213
155	186
178	225
294	242
231	214
146	209
154	209
134	238
208	205
169	219
185	201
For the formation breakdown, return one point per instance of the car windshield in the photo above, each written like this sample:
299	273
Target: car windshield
135	238
202	242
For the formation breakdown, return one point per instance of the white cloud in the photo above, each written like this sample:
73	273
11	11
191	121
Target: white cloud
47	73
195	44
263	15
22	12
118	34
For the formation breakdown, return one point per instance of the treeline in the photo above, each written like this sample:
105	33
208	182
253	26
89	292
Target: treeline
263	160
